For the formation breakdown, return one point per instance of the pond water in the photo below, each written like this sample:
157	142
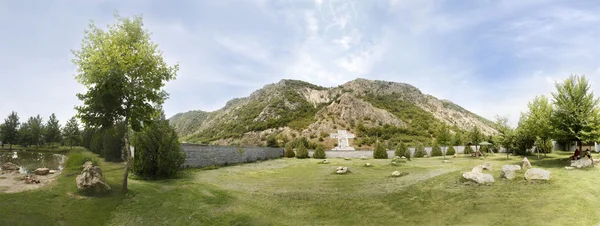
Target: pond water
29	161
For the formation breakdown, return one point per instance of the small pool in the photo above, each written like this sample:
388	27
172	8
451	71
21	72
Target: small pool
29	160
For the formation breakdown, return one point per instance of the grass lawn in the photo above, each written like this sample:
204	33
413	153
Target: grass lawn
302	192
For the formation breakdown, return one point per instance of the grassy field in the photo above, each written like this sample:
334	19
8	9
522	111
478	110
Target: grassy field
302	192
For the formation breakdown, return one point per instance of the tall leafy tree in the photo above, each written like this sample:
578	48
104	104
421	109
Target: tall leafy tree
52	130
506	138
575	115
9	129
476	137
457	140
71	132
36	130
124	73
443	137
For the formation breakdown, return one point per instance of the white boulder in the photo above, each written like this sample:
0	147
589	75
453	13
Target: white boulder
582	163
508	171
480	178
525	164
537	174
487	166
341	170
477	169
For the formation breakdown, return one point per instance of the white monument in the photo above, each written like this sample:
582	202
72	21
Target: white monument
343	137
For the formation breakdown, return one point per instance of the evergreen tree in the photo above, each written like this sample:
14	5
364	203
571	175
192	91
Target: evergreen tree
301	151
319	152
401	150
289	150
10	129
420	150
52	130
380	152
71	133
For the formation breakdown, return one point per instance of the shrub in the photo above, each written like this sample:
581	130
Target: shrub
450	150
401	149
319	152
158	153
380	152
397	161
289	150
301	151
96	142
272	142
468	150
436	151
77	159
420	150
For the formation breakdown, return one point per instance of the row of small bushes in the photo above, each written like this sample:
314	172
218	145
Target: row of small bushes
302	152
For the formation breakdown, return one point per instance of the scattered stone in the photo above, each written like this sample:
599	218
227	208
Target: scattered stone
91	180
508	171
399	174
480	178
446	161
537	174
525	164
41	171
363	157
346	158
477	169
455	155
325	161
368	164
341	170
487	166
582	163
569	168
403	157
52	171
30	179
9	166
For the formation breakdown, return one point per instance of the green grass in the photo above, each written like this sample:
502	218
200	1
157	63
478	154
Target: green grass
302	192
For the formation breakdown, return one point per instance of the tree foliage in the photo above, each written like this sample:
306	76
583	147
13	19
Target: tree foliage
124	74
420	151
71	133
52	130
301	151
10	129
575	116
319	152
468	150
380	152
436	150
289	150
401	150
450	151
158	153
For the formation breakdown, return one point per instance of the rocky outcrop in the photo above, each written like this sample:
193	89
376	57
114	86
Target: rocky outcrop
41	171
525	164
91	180
9	166
537	174
582	163
479	178
508	171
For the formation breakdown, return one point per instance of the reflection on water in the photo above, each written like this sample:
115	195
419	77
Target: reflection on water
29	161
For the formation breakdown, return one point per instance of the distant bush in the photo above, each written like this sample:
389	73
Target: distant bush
158	153
96	142
468	150
319	152
77	159
289	150
450	150
301	151
401	150
436	151
272	141
420	150
380	152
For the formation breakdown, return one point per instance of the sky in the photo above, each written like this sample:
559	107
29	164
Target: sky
490	56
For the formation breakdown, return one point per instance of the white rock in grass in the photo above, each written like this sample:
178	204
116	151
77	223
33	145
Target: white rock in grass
537	174
325	161
480	178
525	164
477	169
363	157
487	166
368	164
508	171
582	163
341	170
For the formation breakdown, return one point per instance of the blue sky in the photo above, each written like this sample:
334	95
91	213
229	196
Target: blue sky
490	57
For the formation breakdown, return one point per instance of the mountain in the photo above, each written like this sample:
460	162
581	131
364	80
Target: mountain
372	109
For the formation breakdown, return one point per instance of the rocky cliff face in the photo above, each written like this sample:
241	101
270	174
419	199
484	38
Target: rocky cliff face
292	108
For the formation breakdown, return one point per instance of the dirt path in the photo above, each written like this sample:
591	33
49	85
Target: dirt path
12	182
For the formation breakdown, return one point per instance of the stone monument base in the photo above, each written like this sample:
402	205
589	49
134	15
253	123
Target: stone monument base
343	149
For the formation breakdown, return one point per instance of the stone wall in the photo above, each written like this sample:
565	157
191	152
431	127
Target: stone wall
198	156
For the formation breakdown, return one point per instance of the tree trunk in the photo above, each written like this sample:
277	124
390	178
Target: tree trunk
444	153
128	154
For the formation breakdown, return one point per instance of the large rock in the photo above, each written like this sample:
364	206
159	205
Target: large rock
42	171
9	166
88	163
92	181
477	169
487	166
508	171
525	164
582	163
341	170
399	174
537	174
480	178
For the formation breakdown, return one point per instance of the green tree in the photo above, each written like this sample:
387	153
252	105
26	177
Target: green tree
10	129
52	130
71	133
380	152
575	115
124	73
272	141
476	137
289	150
443	137
36	130
450	151
301	151
506	138
401	150
537	121
436	150
158	152
468	150
319	152
420	150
